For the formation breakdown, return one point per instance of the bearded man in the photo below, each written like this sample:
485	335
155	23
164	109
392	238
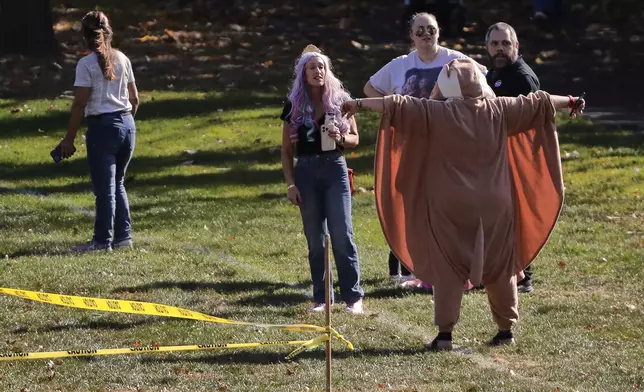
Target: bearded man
510	76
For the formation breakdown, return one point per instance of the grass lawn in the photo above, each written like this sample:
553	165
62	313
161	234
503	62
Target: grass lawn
214	233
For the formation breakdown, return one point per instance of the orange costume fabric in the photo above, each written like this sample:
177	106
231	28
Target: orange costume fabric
467	188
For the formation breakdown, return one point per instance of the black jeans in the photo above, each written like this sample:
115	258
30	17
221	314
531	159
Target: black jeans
528	277
394	263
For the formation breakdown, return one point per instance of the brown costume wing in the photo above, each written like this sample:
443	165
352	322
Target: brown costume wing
400	177
535	167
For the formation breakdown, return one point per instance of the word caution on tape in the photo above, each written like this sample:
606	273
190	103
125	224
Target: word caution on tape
154	309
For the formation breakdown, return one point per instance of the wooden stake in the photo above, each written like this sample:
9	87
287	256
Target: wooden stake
327	293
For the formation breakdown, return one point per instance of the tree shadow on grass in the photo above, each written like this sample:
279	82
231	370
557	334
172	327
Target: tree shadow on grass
233	167
222	287
264	358
28	124
92	325
39	252
275	299
590	135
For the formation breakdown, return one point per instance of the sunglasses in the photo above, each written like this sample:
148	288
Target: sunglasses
422	30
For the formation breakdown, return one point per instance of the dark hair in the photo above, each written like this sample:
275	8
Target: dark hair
98	35
500	26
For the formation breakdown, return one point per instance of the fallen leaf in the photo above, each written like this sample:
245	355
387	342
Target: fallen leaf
147	38
562	264
547	53
180	370
235	27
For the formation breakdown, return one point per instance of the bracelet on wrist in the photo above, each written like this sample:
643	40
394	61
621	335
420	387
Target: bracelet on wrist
290	186
571	101
359	103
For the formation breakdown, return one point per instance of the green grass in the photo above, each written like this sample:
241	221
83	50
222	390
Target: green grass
218	236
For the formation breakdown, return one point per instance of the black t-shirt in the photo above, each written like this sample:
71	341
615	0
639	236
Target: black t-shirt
309	138
513	80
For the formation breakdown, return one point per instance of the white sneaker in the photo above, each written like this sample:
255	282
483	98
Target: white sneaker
123	244
395	278
317	308
356	307
415	284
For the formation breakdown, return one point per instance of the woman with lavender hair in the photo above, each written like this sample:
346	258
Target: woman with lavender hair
319	183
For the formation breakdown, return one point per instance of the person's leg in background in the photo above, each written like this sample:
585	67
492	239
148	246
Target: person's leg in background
314	223
345	251
394	265
122	217
102	139
525	284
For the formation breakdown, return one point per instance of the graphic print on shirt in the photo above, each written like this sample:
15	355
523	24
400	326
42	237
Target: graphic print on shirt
419	83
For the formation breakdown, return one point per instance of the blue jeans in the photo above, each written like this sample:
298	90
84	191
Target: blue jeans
110	142
323	183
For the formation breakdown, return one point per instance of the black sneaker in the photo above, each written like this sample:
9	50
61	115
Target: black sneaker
502	338
442	342
525	287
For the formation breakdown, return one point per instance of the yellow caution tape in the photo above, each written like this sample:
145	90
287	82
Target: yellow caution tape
308	345
12	356
149	308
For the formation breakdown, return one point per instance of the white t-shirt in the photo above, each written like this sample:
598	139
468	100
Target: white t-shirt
409	75
105	96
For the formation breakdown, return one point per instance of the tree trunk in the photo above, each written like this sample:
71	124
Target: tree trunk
26	27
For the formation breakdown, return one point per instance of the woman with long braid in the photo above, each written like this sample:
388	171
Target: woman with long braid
106	94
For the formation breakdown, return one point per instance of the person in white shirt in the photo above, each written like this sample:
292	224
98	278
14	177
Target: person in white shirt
413	74
106	94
